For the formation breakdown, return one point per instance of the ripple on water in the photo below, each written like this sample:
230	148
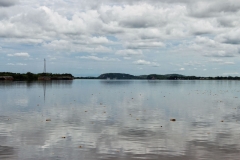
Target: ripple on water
136	133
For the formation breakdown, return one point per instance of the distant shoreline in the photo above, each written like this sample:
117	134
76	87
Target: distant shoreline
109	76
34	77
122	76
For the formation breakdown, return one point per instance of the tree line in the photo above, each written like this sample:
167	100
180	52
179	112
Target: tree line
32	76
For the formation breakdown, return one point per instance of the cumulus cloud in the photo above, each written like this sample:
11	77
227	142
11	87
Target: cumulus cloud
132	29
182	69
10	64
229	63
221	61
202	27
203	8
230	37
77	46
216	60
16	64
192	63
144	45
98	58
23	54
213	47
144	62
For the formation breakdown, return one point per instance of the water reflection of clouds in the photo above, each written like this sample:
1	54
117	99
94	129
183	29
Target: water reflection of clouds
23	102
6	152
128	128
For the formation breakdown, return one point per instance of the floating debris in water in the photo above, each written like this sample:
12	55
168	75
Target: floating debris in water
173	119
48	119
63	137
79	146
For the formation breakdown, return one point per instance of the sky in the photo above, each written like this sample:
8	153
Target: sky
89	37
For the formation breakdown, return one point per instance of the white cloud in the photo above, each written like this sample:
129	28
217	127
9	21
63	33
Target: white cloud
212	47
10	64
21	64
143	62
213	8
68	46
158	30
216	60
182	69
231	73
202	27
229	63
230	37
144	45
220	61
16	64
23	54
129	52
98	58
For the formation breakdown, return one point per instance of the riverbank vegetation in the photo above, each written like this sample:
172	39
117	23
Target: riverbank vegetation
32	76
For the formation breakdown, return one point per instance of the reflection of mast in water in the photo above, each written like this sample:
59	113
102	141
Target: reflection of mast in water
44	82
44	89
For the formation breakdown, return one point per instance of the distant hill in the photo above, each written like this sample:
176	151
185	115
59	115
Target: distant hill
129	76
147	77
118	76
167	76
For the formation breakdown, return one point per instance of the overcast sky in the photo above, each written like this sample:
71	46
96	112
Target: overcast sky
89	37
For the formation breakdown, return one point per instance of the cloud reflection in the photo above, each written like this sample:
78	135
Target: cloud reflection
128	122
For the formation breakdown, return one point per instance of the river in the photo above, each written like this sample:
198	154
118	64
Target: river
120	119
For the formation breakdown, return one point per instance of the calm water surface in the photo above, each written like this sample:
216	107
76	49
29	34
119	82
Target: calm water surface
128	120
